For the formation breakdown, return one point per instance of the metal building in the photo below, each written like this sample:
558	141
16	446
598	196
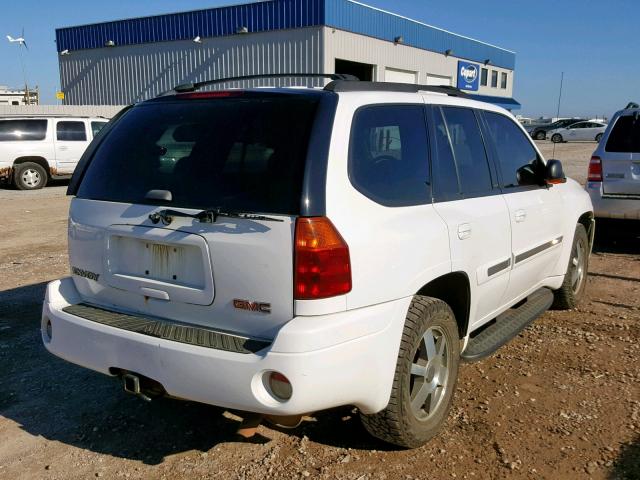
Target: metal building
126	61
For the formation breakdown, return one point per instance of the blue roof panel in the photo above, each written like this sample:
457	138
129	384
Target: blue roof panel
270	15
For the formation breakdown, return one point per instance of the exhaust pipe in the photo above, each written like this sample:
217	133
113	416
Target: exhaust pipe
131	384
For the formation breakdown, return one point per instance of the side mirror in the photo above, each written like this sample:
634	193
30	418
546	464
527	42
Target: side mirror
554	173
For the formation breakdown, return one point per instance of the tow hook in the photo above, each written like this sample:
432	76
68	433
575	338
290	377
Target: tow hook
131	384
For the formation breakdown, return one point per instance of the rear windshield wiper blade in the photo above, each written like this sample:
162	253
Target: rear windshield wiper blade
209	215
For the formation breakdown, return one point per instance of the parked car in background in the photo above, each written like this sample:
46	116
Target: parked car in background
34	150
578	132
539	132
310	248
614	169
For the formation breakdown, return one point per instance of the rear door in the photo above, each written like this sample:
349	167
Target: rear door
240	152
467	197
576	131
621	159
70	140
535	211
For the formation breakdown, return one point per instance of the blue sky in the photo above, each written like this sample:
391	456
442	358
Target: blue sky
595	43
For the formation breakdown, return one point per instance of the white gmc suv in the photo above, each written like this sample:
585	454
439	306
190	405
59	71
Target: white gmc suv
286	250
34	150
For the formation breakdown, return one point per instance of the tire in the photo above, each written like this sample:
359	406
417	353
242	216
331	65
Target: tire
556	138
541	136
573	287
29	176
428	319
598	137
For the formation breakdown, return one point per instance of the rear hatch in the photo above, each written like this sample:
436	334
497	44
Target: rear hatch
621	160
132	245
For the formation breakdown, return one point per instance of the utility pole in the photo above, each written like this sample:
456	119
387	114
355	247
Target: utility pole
558	111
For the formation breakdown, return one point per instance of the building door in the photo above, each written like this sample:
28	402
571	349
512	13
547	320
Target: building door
363	71
438	80
400	76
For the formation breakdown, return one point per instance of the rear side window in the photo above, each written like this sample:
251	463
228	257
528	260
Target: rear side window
468	151
245	153
22	130
71	132
388	154
96	127
514	149
443	169
625	135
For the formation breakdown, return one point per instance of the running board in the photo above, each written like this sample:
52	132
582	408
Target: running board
508	325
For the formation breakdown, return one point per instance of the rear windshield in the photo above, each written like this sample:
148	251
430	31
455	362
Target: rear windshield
625	136
17	130
239	153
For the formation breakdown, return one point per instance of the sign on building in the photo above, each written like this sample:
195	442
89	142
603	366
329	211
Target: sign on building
468	75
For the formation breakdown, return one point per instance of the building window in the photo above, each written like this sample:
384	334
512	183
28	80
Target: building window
484	74
494	79
503	80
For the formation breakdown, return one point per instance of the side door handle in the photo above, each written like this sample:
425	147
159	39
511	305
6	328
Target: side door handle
63	149
520	216
464	231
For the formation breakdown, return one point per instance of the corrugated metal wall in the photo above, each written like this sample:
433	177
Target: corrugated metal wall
215	22
123	75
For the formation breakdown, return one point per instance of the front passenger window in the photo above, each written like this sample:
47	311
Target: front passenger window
468	151
516	156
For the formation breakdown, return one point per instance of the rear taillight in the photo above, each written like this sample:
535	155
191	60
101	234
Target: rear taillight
595	170
322	265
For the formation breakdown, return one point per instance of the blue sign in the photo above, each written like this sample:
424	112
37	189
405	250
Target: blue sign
468	75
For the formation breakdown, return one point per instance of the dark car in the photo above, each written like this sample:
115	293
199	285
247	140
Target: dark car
540	132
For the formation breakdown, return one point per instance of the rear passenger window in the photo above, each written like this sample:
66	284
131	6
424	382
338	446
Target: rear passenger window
443	167
515	152
71	132
388	154
625	136
22	130
96	127
468	151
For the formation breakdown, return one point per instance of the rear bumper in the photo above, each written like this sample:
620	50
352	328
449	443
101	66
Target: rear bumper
609	207
331	360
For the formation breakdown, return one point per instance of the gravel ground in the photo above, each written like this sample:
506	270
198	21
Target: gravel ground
560	401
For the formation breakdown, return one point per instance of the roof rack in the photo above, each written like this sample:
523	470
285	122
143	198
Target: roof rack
359	86
48	115
191	87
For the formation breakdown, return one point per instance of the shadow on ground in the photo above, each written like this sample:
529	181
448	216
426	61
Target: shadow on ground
617	236
62	402
627	465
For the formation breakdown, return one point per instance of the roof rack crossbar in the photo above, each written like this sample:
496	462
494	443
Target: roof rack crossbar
191	87
359	86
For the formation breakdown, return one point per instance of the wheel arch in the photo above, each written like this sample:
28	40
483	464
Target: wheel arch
455	290
587	221
36	159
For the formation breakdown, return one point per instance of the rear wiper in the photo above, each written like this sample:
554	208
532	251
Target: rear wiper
209	215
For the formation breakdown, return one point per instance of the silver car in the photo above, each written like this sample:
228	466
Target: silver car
578	132
614	171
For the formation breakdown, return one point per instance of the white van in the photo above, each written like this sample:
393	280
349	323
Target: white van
34	150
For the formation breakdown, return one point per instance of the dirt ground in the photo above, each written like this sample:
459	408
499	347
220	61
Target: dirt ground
561	401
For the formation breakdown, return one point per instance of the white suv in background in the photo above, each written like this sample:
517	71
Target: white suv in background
36	149
283	251
614	170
